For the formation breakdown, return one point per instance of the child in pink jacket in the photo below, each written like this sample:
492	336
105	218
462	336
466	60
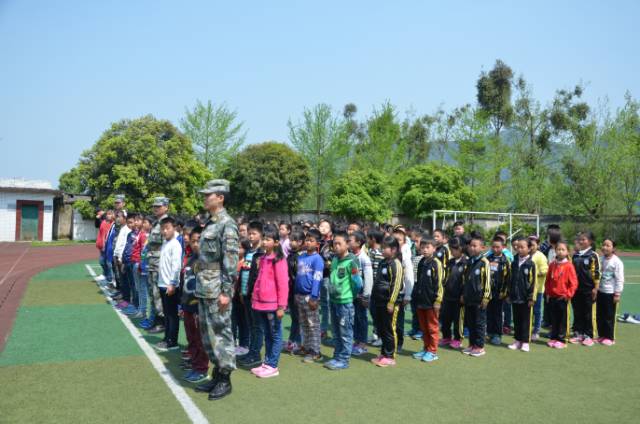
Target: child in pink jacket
269	300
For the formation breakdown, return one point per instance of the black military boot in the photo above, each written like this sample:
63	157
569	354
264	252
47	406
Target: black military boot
222	387
207	386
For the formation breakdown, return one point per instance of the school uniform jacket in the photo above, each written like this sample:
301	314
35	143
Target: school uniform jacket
443	254
454	281
500	274
389	283
428	290
477	282
587	265
522	284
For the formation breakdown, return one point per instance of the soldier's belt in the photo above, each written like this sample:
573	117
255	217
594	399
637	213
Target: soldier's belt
211	266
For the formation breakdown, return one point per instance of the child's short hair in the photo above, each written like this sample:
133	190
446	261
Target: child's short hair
328	222
286	224
256	226
297	235
525	239
588	235
563	241
168	220
498	239
197	230
121	213
391	243
376	235
427	242
342	234
245	244
441	232
477	235
458	224
456	243
271	231
554	235
504	236
190	225
357	223
613	242
148	218
131	217
359	237
314	233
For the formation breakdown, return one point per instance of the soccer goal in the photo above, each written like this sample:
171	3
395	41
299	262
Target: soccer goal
499	218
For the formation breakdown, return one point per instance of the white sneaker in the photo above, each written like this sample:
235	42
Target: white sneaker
524	347
515	345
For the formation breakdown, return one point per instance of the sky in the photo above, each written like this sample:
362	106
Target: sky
68	69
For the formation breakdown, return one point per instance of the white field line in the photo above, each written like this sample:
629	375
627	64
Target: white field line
13	266
195	414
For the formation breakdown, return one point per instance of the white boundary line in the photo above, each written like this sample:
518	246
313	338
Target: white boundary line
195	414
14	265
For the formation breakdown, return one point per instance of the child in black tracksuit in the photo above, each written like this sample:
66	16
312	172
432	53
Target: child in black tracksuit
500	274
521	293
451	307
388	293
296	242
476	294
587	264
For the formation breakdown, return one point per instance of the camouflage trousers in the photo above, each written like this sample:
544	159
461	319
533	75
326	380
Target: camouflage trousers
154	293
217	337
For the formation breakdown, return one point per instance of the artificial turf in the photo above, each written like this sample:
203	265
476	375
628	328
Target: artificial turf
87	368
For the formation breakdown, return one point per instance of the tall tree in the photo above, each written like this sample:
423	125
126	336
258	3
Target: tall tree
494	95
215	133
364	194
267	177
141	158
321	136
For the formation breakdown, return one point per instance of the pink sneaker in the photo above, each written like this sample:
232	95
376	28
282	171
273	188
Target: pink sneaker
577	339
599	340
551	343
386	362
444	342
122	304
608	342
515	345
478	351
267	372
559	345
588	341
455	344
376	360
258	369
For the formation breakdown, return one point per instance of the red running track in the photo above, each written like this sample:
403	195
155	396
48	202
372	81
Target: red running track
19	262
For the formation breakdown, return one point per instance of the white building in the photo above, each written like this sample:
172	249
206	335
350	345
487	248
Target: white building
26	210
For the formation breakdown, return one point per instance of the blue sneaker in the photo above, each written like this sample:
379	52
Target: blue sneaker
130	310
429	357
330	364
334	365
196	377
420	355
358	350
495	340
146	324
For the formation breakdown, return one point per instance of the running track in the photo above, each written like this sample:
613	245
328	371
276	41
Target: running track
19	262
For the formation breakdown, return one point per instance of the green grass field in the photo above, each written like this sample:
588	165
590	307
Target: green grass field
70	359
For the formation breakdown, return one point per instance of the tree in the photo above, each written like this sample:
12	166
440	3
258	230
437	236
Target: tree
141	158
214	132
364	194
494	95
267	177
381	145
425	188
321	137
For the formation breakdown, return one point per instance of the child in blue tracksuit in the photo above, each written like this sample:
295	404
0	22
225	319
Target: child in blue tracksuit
127	263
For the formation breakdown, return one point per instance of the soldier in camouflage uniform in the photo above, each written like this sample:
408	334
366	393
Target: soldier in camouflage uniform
154	243
216	273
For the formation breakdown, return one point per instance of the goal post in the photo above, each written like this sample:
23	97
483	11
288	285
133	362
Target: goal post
502	216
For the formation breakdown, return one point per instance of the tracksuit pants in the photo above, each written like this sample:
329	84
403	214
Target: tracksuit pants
559	318
452	313
522	322
199	357
582	304
475	319
428	320
386	324
494	316
171	320
606	315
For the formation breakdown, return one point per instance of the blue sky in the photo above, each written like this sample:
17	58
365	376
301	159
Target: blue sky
70	68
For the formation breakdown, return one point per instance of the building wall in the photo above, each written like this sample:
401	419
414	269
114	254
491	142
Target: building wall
83	229
8	214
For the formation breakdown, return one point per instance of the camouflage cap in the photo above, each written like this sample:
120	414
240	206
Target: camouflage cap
119	198
161	201
215	186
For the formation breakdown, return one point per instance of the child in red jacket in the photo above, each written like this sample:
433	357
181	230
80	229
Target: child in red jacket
560	286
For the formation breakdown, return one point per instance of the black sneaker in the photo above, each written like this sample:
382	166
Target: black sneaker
249	362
